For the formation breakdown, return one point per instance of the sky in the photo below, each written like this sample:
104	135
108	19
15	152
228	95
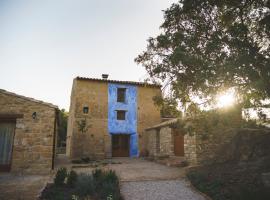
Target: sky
44	44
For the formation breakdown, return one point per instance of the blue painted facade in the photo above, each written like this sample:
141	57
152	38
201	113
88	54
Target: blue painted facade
129	125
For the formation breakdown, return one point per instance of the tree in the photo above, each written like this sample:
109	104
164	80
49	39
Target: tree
62	129
168	107
208	46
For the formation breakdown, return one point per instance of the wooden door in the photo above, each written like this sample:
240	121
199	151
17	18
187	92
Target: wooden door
120	145
178	144
7	130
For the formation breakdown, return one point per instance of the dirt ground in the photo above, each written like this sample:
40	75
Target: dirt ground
130	170
137	169
27	187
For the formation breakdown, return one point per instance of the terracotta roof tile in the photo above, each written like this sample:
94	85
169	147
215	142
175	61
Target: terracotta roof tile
118	81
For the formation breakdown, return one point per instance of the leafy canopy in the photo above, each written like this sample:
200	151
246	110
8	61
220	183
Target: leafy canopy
207	46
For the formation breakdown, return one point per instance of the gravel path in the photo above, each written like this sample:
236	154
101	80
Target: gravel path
159	190
144	180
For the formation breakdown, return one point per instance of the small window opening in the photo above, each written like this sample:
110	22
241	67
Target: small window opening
121	114
121	94
85	110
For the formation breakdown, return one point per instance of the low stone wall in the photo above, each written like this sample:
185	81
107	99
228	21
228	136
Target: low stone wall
160	143
219	145
166	142
190	148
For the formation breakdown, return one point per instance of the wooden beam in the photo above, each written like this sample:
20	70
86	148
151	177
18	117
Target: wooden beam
10	116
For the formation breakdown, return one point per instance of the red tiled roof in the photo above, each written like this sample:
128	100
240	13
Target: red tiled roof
118	81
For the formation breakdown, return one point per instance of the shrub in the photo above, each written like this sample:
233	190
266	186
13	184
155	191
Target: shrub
109	189
72	178
85	185
86	159
77	161
60	177
110	176
106	184
98	185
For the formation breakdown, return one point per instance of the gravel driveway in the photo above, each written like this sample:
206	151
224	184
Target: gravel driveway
145	180
159	190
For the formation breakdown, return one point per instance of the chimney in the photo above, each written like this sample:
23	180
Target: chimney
105	76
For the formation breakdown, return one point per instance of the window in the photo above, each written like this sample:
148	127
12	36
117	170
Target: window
85	110
121	94
121	114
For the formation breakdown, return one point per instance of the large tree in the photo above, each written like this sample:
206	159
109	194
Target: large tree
207	46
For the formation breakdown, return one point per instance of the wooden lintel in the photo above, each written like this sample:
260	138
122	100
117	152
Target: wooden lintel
10	116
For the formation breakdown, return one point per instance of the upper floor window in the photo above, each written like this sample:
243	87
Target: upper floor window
121	94
121	114
85	110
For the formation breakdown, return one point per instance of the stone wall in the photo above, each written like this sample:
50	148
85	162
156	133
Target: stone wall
190	148
160	143
237	145
95	142
151	142
33	146
148	113
166	142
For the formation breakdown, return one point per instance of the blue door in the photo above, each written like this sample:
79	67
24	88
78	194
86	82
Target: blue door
7	131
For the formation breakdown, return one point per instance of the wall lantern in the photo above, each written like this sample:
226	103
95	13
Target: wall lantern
34	115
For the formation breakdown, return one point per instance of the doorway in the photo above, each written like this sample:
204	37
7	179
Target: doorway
120	145
7	131
178	143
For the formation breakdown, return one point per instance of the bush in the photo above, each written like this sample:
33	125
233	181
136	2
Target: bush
110	176
60	177
85	185
106	184
86	159
77	161
98	185
72	178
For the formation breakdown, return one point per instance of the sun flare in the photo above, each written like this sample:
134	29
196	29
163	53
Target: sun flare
226	99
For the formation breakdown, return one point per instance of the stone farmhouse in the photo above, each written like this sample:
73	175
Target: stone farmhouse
28	130
108	118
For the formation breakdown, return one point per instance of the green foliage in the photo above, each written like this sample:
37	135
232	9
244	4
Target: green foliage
60	177
222	188
83	125
168	106
86	159
206	184
98	185
207	46
206	123
247	194
85	185
72	178
62	127
106	183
